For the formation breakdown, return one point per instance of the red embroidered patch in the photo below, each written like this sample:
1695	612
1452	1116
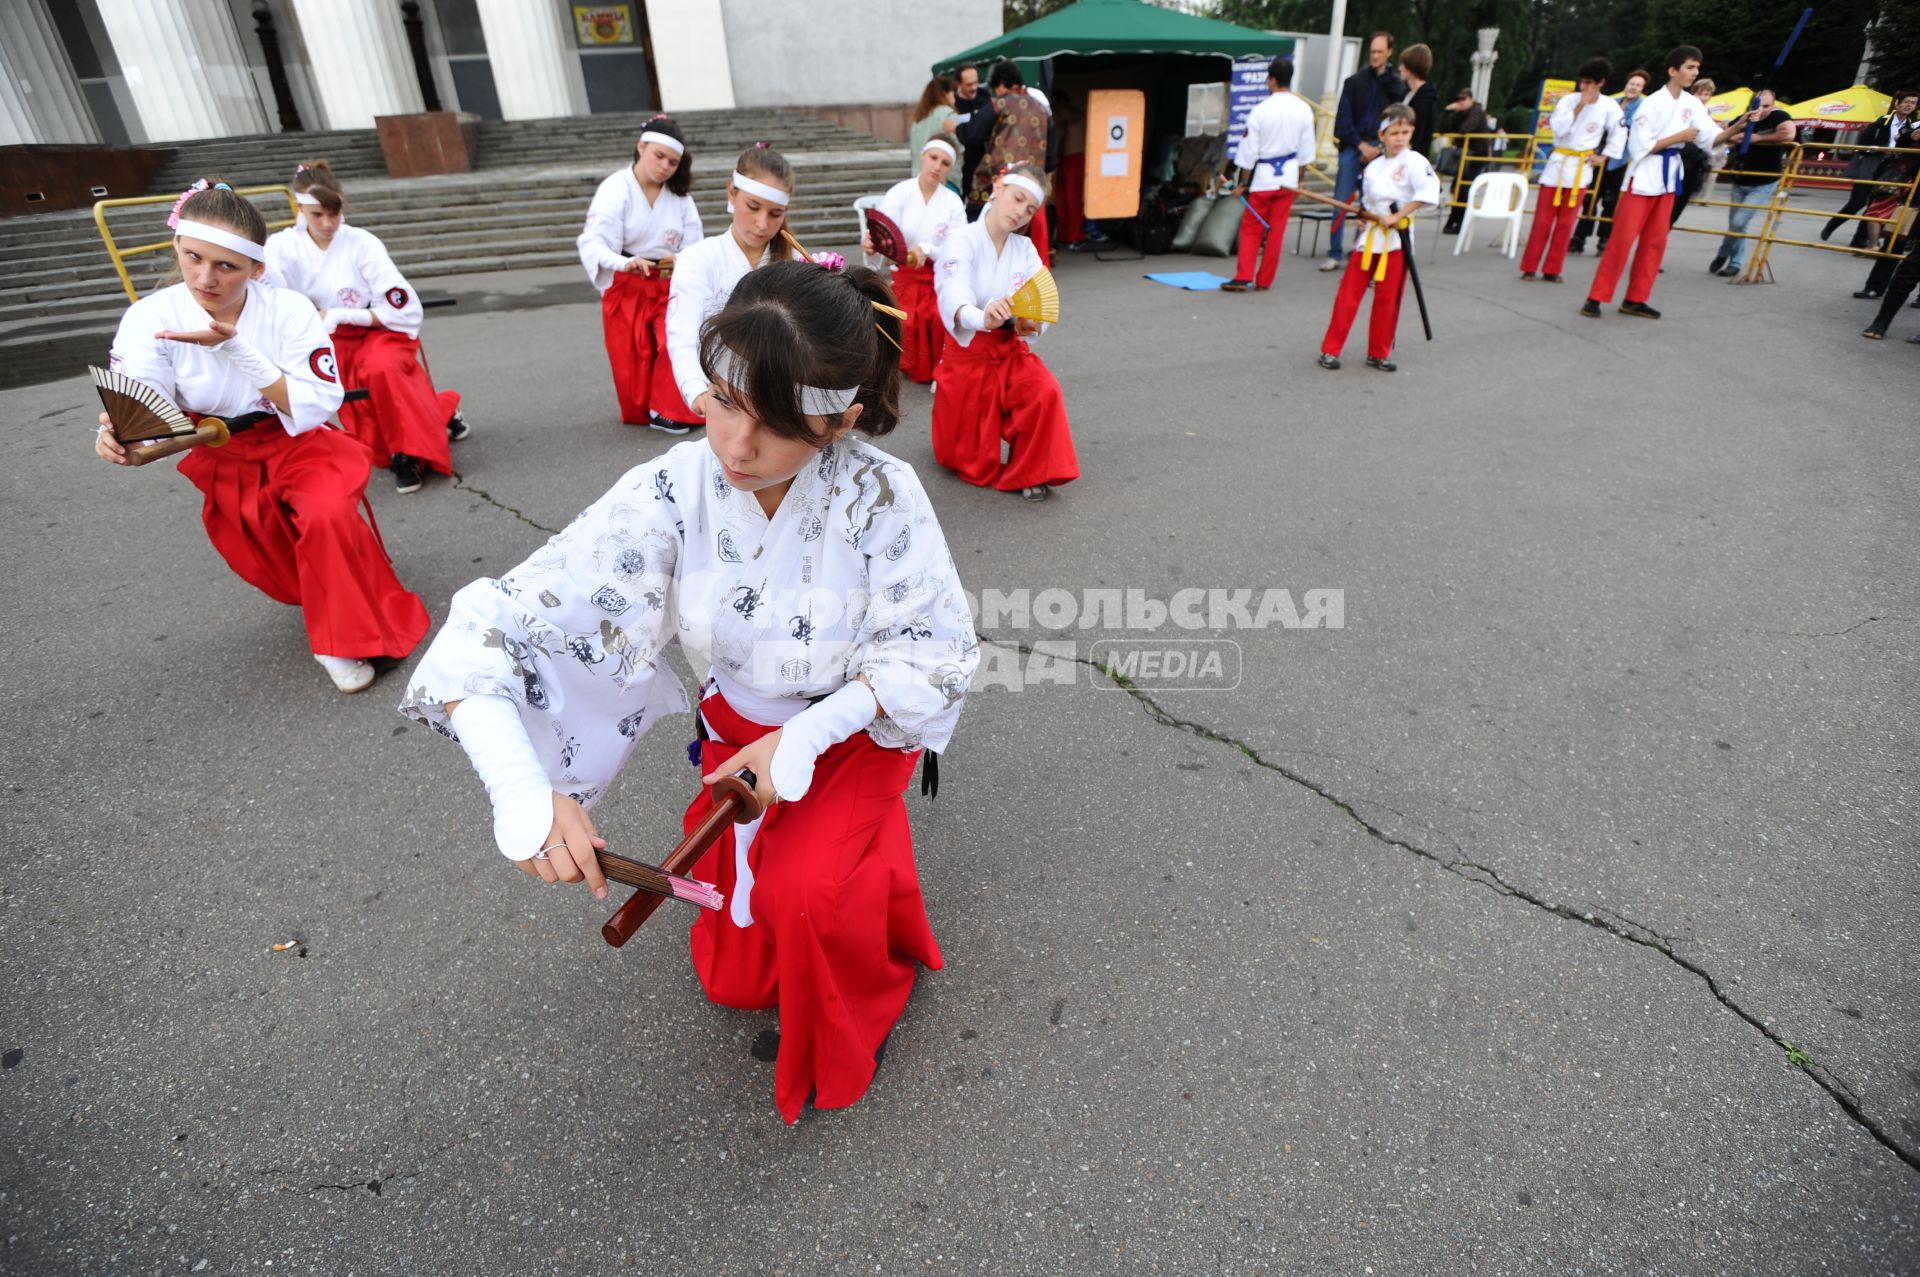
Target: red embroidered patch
397	298
321	361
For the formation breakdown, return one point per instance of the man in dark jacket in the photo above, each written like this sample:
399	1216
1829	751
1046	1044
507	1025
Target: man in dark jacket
1464	115
1356	128
973	125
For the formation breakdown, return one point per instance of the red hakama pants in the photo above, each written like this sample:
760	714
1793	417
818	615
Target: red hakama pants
633	314
1037	232
996	389
823	915
1642	218
1069	181
920	344
402	411
1274	206
283	510
1552	230
1385	319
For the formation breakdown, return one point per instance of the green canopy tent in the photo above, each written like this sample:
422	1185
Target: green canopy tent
1125	44
1094	27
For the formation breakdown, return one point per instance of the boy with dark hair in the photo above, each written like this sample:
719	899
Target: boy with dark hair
1670	118
1279	140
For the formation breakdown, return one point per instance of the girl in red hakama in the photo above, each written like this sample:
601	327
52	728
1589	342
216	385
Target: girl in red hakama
804	570
641	218
282	498
993	388
927	212
374	316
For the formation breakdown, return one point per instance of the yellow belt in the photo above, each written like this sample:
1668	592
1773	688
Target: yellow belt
1573	194
1386	247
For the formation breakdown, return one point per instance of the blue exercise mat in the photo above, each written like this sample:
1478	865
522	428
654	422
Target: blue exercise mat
1194	281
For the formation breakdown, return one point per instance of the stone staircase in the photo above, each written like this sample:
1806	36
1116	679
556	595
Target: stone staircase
60	299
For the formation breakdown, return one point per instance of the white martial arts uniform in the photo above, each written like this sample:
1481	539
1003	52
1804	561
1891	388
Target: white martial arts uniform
621	225
1661	114
1279	127
927	224
354	272
703	278
970	275
280	324
1404	179
1579	131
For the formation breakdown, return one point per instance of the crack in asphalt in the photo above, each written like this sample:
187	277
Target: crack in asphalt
460	484
374	1186
1830	633
1609	921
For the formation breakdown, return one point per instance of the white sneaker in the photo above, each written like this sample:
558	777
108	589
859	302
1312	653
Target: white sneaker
348	675
1330	263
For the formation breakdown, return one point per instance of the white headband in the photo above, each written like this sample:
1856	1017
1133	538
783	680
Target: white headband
771	194
814	401
1026	184
673	144
305	200
940	141
224	238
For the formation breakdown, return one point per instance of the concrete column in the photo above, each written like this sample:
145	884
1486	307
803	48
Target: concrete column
1483	60
1336	41
361	64
690	55
528	48
184	68
40	98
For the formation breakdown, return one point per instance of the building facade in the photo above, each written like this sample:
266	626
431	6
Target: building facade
155	71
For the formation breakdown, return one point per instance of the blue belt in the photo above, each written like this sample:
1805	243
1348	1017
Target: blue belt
1279	162
1668	159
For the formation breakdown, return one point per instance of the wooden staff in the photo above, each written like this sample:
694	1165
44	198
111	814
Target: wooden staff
734	803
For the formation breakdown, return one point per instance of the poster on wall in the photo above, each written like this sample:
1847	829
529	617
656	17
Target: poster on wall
1116	139
598	24
1247	89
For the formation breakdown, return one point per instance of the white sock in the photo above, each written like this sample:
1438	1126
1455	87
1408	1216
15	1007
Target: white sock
339	664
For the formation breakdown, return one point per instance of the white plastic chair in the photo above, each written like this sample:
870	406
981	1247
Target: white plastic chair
1495	197
860	207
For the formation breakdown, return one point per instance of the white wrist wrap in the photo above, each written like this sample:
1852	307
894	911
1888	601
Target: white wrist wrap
358	318
261	372
495	739
815	730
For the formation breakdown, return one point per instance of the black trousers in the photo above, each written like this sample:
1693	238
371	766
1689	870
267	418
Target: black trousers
1905	275
1609	198
1857	199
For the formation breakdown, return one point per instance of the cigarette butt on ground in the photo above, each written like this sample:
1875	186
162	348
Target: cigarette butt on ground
282	948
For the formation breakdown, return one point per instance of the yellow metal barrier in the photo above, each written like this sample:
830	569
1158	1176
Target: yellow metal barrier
1523	153
120	255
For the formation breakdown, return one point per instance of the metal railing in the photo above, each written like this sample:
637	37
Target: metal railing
120	254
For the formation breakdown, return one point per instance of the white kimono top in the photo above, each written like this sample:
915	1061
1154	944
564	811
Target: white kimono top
1581	130
1402	179
621	225
703	279
1661	115
927	224
851	576
352	273
281	325
969	274
1279	127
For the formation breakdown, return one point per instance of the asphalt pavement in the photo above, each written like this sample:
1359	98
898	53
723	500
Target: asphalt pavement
1554	912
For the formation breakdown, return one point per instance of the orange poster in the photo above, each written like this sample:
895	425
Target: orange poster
1116	140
